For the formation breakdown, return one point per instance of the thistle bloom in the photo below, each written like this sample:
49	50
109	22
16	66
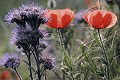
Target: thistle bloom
100	19
31	14
10	60
25	37
48	61
59	18
14	16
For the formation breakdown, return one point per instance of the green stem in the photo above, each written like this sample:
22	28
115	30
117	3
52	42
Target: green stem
104	55
61	40
62	46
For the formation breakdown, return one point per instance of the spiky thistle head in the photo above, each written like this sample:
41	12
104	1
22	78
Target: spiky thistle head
14	16
31	14
24	37
10	60
49	61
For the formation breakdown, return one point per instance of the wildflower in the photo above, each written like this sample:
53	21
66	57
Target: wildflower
10	60
59	18
23	37
14	15
48	61
100	19
33	15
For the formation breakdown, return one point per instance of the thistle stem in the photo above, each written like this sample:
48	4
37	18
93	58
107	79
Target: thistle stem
30	65
105	56
17	74
37	63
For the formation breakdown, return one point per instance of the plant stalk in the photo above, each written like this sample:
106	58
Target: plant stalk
30	65
37	63
17	74
105	56
62	46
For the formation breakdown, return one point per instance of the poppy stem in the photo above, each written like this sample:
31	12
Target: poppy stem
37	62
61	40
30	65
62	46
105	56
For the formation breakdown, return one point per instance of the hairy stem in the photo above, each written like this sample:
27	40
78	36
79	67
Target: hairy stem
62	46
105	56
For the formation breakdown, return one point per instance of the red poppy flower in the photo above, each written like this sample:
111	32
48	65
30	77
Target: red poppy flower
59	18
100	19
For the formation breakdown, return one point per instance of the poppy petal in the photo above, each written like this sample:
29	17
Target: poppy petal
66	19
96	20
87	17
113	20
107	20
53	20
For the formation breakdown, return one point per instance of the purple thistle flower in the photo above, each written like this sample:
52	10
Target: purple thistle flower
33	9
48	61
10	60
33	15
14	15
25	36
